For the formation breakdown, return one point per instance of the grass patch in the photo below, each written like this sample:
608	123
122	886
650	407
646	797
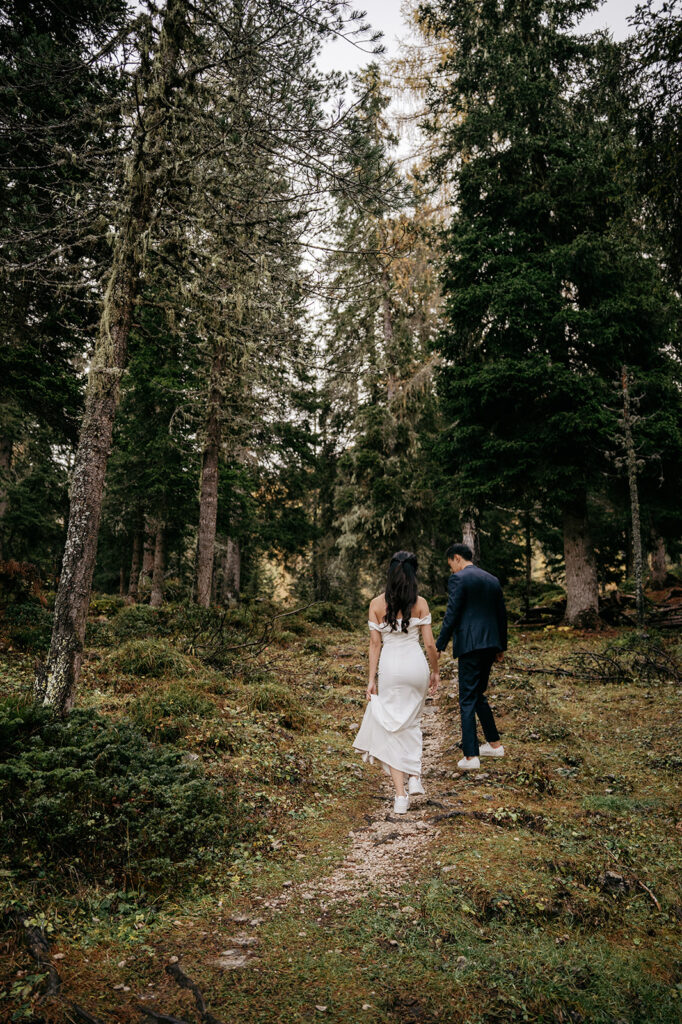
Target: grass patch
148	658
171	713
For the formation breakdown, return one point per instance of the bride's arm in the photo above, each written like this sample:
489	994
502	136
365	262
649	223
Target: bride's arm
431	654
374	652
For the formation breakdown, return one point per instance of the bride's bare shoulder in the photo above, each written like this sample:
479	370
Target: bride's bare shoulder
378	606
421	608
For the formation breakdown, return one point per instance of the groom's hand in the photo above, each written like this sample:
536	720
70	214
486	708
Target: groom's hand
499	656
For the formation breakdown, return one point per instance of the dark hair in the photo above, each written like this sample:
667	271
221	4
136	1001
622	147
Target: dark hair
401	588
463	550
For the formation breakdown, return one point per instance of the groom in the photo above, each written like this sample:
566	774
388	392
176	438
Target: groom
476	618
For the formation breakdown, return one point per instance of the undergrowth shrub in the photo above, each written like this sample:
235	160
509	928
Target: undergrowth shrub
139	620
329	614
169	714
149	658
296	625
106	604
27	625
85	797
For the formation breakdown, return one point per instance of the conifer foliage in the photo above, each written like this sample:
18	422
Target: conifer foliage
548	282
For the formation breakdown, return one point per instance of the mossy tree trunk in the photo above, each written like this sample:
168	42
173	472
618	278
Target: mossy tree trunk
471	534
5	467
208	493
56	682
134	578
156	599
631	462
231	572
582	585
659	561
147	552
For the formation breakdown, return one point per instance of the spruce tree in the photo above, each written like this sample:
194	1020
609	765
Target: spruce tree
548	291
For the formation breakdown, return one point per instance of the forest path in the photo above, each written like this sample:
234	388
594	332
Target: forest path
384	853
382	856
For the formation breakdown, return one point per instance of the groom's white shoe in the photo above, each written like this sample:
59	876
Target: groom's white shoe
469	764
401	804
414	786
485	750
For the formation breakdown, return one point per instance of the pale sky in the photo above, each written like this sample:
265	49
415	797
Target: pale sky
385	15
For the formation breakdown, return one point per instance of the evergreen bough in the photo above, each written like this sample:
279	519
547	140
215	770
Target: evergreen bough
113	806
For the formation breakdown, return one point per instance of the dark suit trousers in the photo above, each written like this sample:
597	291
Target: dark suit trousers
474	673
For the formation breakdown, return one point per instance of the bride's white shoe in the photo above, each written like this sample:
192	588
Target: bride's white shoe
401	804
414	786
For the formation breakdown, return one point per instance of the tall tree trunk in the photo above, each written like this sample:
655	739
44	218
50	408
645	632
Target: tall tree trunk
231	571
133	581
470	533
156	599
631	460
529	560
582	585
148	551
122	581
208	494
5	467
629	557
56	681
659	563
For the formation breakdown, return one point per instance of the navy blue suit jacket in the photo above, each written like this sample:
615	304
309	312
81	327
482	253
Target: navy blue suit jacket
476	616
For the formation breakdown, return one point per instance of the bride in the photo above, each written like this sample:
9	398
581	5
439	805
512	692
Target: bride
390	732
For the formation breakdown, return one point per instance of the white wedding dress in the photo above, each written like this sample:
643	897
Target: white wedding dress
391	729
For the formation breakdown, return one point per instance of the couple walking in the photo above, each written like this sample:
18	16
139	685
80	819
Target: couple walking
476	619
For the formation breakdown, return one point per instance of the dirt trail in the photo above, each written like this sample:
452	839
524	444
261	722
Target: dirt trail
383	854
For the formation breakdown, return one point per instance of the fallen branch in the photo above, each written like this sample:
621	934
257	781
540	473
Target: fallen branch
639	881
450	814
83	1015
214	646
162	1018
38	946
183	981
646	890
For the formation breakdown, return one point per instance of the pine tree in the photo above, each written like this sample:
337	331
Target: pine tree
547	287
59	108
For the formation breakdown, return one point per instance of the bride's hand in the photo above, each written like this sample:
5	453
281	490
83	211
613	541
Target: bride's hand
371	688
434	682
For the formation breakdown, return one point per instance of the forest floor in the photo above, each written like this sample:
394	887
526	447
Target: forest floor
545	887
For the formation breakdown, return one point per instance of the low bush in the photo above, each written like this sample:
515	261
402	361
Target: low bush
149	658
326	613
98	634
28	626
296	625
106	604
111	804
139	620
169	714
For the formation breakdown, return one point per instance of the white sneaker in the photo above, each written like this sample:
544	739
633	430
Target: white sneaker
469	764
401	804
414	786
485	750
